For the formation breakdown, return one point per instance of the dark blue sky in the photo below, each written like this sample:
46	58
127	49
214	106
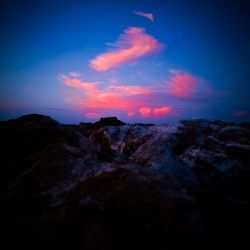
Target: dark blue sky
80	60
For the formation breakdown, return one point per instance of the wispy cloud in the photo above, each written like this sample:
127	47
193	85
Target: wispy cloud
134	43
57	109
92	115
145	111
183	84
97	99
241	113
131	113
150	112
78	83
131	89
28	89
150	16
74	74
162	110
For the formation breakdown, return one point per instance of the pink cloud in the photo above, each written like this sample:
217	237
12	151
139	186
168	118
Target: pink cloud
131	99
92	114
145	111
74	74
162	110
183	84
78	83
107	100
241	113
147	15
131	113
131	90
134	43
149	112
96	99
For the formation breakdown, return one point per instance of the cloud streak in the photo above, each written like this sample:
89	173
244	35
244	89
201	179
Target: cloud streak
76	83
155	112
133	44
149	16
131	90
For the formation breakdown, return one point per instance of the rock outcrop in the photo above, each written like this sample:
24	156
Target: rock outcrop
109	121
111	185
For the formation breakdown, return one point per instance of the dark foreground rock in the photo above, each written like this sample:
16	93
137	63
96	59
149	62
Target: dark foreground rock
118	186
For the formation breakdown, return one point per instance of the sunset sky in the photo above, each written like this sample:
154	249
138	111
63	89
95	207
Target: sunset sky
141	60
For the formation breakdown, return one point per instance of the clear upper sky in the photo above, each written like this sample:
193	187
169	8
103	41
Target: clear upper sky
141	60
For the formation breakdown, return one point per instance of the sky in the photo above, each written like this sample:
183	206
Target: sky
142	60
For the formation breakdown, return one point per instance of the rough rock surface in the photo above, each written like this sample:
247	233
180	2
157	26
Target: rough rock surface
111	185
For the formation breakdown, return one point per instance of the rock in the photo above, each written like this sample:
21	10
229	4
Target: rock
245	125
111	185
191	132
101	145
35	119
126	139
233	129
234	134
109	121
117	210
22	138
196	156
162	159
218	162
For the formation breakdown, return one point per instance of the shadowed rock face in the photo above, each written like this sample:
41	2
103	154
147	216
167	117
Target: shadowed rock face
111	185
